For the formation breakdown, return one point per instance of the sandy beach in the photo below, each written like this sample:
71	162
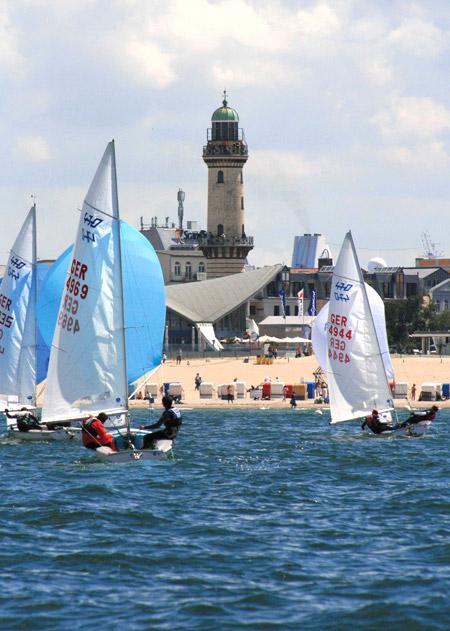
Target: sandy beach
408	368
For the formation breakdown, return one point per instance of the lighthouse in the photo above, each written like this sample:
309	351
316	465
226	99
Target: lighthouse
226	245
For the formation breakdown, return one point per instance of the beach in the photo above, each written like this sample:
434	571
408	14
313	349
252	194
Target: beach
409	369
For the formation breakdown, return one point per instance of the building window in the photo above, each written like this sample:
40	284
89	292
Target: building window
188	273
445	305
177	268
252	310
220	230
242	203
201	267
220	177
242	178
288	310
296	310
276	310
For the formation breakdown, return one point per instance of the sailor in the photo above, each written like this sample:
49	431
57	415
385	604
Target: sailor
375	423
170	418
25	420
94	434
423	415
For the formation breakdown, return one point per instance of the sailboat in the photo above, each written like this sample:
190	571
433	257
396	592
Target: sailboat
355	365
18	333
87	371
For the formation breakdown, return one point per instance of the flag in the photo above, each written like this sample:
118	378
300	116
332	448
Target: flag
312	310
300	303
282	295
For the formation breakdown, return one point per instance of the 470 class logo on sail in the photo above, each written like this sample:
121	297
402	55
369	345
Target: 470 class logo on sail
342	291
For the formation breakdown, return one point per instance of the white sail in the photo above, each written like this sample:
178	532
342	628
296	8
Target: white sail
356	374
87	368
17	317
321	324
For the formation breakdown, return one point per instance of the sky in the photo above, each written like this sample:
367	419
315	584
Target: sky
344	104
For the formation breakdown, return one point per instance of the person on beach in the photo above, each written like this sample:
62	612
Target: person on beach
230	394
413	392
374	423
419	416
94	434
197	381
170	418
293	402
179	355
164	358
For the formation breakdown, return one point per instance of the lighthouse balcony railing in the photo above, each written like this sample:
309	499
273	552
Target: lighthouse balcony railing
214	241
225	148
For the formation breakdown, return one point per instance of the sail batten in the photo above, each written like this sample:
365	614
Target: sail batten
87	369
354	363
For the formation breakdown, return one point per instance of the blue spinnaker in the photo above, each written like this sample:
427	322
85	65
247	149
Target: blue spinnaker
144	301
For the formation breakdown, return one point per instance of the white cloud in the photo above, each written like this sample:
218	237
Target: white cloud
419	38
427	156
318	21
33	148
10	56
146	62
412	118
379	71
277	166
255	73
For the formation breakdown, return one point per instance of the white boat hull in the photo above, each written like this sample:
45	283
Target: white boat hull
37	435
415	429
162	451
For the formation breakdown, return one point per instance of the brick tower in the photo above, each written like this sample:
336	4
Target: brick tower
226	245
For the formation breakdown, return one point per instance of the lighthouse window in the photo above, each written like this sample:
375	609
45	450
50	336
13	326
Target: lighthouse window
242	203
177	268
242	178
220	177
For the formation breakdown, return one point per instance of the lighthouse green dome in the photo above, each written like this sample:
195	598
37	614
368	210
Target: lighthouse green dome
225	114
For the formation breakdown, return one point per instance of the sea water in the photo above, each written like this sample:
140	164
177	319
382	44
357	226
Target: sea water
264	520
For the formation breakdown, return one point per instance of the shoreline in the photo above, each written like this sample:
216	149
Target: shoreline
408	369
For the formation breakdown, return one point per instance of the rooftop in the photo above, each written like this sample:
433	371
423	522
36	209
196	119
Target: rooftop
211	300
225	113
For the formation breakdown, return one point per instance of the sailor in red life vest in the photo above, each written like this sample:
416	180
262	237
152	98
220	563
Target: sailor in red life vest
94	434
375	423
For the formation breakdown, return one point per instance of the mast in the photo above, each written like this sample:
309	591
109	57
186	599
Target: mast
115	202
35	281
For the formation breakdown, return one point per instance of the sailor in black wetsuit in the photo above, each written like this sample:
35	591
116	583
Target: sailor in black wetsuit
25	420
170	418
374	423
423	415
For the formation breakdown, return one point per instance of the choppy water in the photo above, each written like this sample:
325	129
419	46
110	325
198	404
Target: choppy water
265	520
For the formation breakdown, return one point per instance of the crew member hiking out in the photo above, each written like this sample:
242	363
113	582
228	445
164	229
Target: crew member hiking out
422	415
94	434
170	418
25	420
374	423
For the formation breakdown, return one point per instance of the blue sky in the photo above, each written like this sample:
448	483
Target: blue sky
345	106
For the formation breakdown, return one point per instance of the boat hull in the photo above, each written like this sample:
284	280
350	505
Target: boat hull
416	429
162	451
43	435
